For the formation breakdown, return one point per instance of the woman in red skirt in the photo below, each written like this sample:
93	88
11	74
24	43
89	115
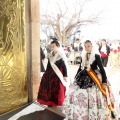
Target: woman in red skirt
54	81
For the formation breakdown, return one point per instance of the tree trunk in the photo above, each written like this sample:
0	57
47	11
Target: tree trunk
62	38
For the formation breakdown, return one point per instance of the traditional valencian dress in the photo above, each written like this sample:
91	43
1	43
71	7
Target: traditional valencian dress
52	87
87	100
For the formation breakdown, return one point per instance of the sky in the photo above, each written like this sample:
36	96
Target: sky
109	25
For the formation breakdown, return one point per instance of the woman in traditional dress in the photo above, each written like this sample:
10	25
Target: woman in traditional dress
114	58
54	81
86	99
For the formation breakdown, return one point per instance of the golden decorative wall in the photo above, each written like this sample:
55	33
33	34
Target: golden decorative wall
13	92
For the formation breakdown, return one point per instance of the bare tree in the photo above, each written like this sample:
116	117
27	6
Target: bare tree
63	24
47	30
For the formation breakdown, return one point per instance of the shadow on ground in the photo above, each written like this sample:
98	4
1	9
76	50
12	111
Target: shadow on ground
42	115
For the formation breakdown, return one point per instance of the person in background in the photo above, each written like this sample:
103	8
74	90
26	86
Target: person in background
80	47
98	44
42	57
70	54
76	45
48	48
72	46
114	57
68	48
104	50
44	50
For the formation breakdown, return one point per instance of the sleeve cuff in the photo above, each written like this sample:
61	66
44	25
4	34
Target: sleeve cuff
65	76
104	83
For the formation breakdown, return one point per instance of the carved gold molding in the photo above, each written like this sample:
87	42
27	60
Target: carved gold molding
13	92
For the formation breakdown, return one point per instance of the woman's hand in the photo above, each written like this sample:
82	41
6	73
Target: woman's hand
104	86
65	78
88	69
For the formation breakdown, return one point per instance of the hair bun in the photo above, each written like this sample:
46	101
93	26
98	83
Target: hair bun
88	41
53	38
56	42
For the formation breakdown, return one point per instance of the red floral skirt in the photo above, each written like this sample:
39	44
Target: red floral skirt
51	91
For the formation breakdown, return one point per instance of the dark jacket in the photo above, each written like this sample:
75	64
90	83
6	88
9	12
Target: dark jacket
97	64
42	57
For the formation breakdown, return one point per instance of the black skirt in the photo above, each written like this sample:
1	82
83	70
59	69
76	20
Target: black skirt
83	80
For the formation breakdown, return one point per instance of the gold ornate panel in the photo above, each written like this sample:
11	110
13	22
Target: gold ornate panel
12	55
